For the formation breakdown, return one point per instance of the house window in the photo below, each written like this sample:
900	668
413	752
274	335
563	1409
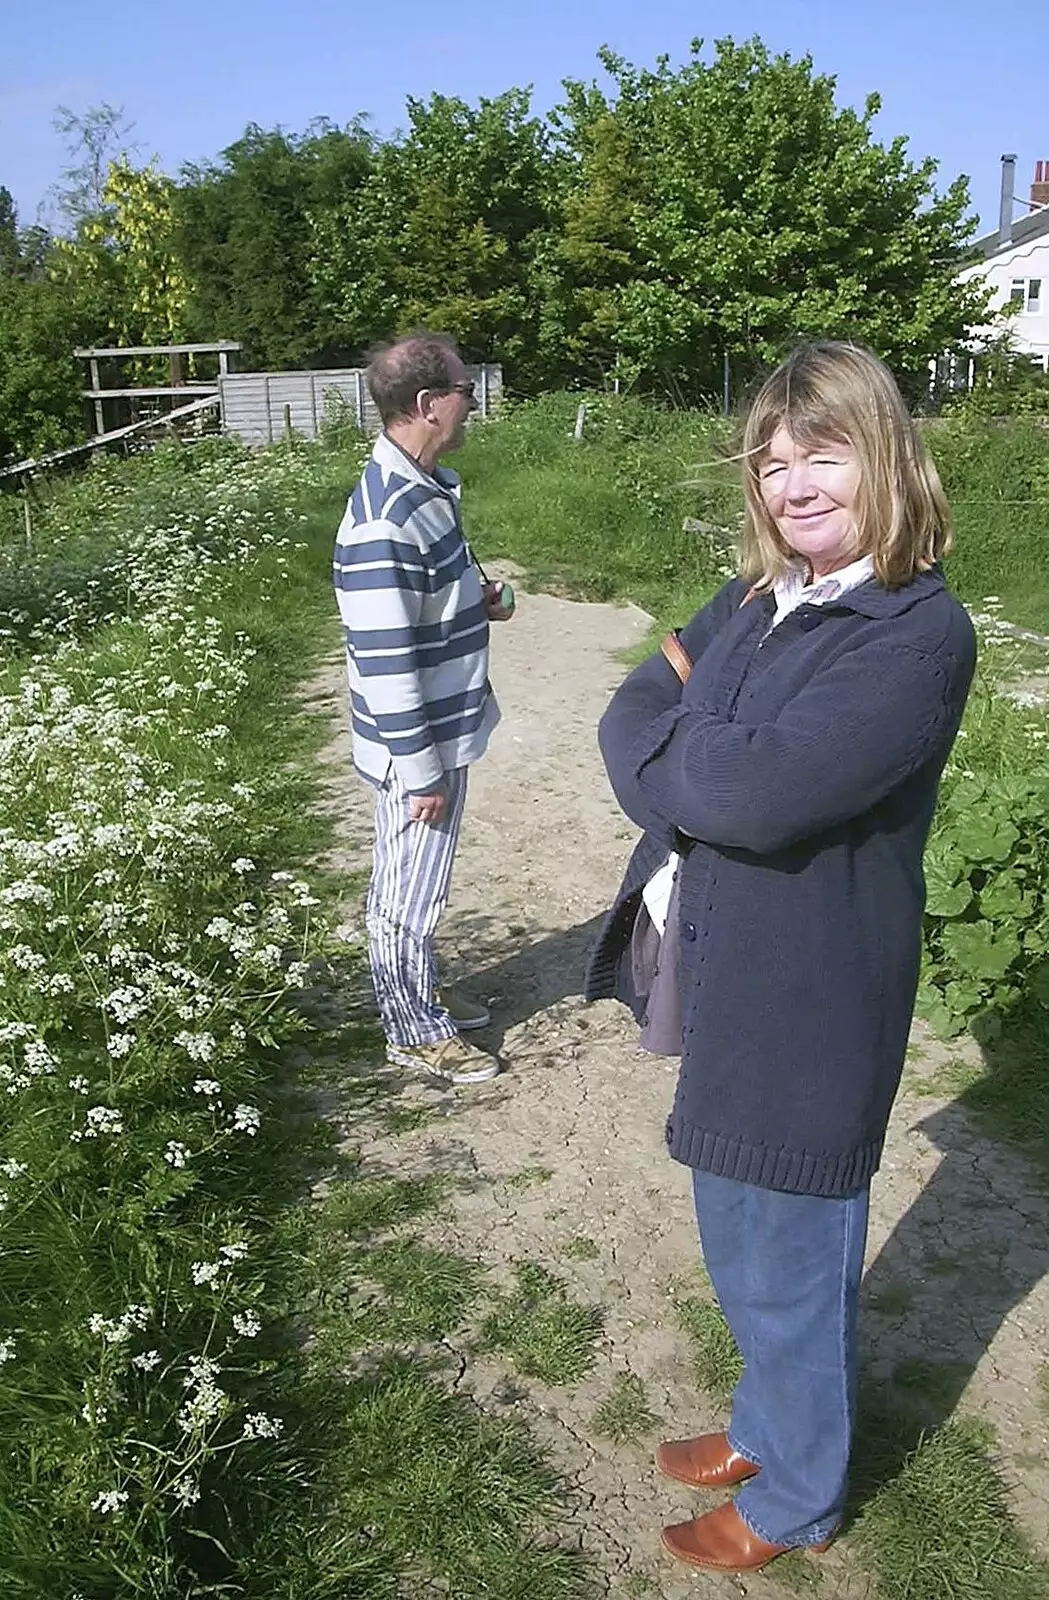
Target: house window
1026	294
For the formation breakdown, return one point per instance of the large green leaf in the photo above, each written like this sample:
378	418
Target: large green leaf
984	837
977	950
948	893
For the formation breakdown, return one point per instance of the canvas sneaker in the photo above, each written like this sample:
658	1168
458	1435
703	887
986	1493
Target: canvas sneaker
466	1014
451	1059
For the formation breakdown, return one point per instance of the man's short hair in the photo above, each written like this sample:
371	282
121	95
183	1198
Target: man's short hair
398	370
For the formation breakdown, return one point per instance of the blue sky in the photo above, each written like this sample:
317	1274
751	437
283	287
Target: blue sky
960	80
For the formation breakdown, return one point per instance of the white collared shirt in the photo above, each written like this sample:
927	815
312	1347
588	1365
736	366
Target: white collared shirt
791	590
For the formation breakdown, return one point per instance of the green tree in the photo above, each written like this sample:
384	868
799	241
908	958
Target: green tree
40	403
10	255
448	230
245	228
730	205
95	139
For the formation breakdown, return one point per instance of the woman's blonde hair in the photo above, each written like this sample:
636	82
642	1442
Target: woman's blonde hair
832	392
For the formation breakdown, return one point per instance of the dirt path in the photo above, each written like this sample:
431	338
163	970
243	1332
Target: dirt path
959	1247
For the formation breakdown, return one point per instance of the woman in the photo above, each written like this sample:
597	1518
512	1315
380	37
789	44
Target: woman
793	774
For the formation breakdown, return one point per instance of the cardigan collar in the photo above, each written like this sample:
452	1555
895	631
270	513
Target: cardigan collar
873	599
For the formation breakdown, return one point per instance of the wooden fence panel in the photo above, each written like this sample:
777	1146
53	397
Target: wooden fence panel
258	405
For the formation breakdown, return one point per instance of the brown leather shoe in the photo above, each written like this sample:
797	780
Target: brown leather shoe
708	1462
721	1540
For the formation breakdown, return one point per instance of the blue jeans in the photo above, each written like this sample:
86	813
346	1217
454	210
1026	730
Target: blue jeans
786	1269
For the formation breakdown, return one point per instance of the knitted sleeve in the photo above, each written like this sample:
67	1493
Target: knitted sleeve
852	735
650	691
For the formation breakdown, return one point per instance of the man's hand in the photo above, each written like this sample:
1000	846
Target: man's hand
428	808
493	603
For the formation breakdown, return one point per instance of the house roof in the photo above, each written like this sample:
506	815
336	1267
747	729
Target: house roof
1025	229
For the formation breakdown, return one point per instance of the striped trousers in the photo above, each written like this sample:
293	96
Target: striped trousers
411	875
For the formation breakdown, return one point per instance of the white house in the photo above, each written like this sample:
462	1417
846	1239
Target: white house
1015	262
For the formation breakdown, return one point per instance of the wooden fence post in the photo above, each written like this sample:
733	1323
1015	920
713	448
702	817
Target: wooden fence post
580	420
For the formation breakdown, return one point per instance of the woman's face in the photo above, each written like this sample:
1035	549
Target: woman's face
810	493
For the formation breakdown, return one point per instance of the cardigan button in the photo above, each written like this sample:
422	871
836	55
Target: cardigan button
809	620
689	930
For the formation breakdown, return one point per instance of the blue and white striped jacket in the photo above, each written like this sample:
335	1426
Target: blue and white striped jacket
414	620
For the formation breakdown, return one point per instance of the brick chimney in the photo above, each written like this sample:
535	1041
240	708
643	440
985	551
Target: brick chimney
1040	186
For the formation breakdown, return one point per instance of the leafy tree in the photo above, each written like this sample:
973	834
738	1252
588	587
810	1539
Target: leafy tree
732	206
245	228
10	255
448	230
95	140
40	403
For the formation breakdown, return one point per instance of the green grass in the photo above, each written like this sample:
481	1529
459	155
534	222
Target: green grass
1043	1387
529	1177
581	1248
424	1294
624	1414
938	1528
892	1301
716	1360
377	1483
543	1333
932	1383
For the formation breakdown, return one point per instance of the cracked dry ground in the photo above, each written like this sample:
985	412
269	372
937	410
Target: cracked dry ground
959	1239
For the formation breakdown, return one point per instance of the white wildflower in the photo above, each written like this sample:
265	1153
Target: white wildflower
13	1169
257	1425
7	1350
242	865
38	1057
176	1154
198	1046
247	1324
207	1087
109	1500
120	1045
79	1084
102	1119
147	1360
205	1271
247	1119
25	959
186	1492
233	1252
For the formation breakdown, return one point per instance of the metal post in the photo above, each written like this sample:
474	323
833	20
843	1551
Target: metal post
358	389
726	385
484	389
580	420
287	423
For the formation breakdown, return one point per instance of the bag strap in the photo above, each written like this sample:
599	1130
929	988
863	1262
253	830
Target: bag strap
677	655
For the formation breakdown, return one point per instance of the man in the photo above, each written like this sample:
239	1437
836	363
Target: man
415	613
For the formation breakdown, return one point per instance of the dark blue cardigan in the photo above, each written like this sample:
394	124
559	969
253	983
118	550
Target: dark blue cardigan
804	763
